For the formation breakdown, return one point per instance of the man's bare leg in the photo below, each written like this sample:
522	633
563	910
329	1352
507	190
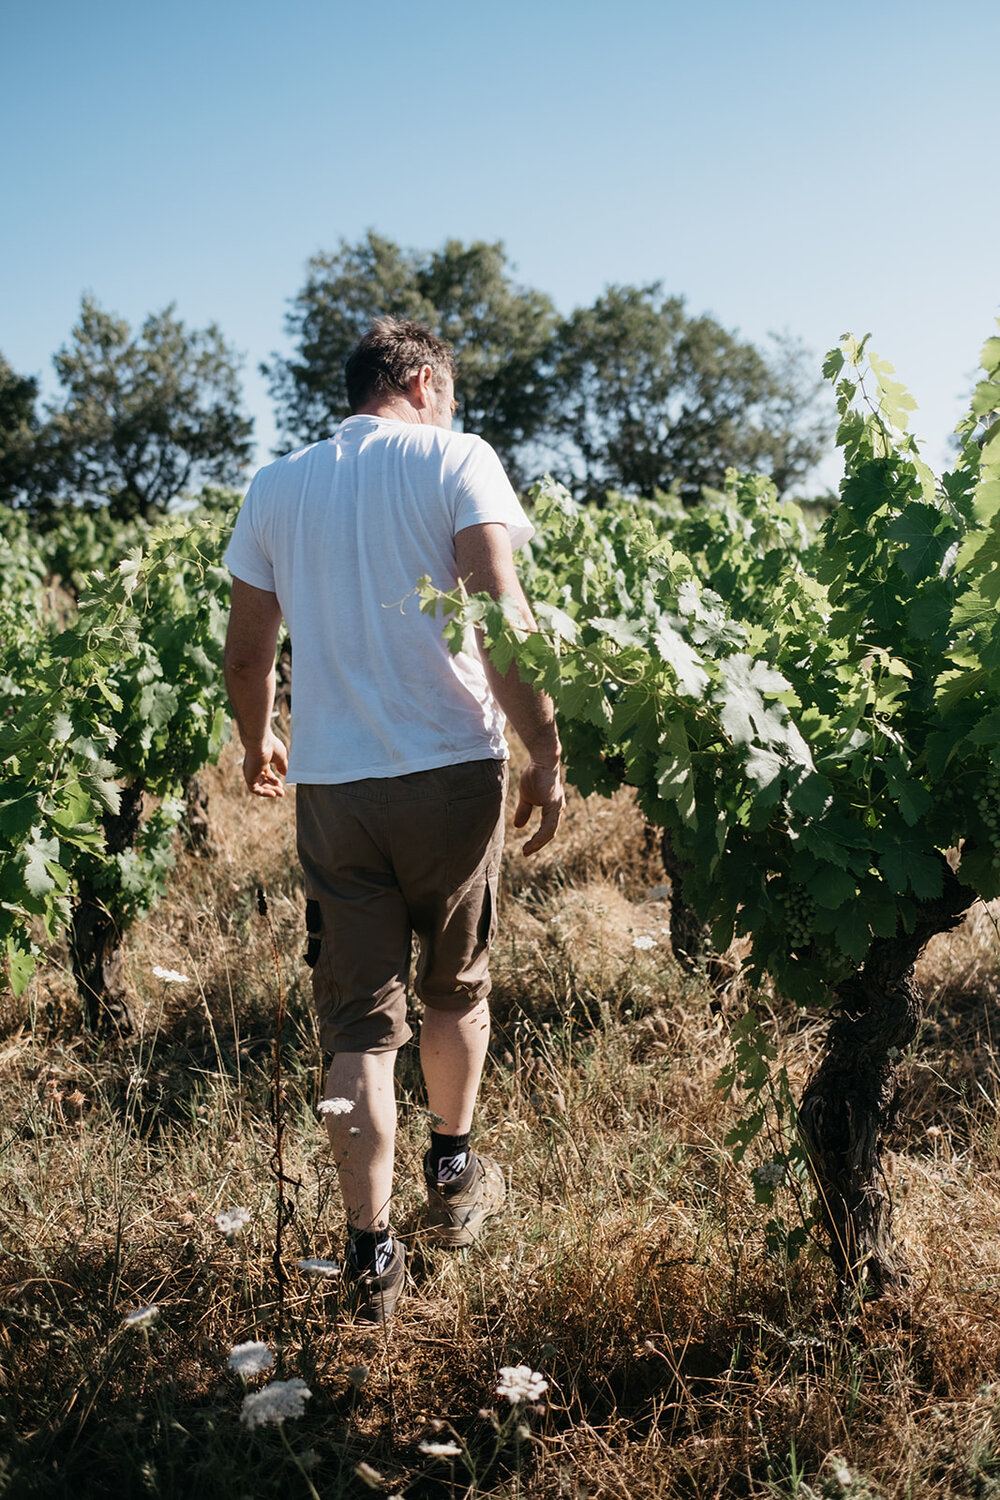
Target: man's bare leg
452	1052
463	1187
364	1160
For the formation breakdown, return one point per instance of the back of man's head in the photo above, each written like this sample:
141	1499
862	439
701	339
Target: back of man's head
391	353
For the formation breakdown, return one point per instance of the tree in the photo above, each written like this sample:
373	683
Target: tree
648	397
145	417
501	332
343	292
502	335
19	429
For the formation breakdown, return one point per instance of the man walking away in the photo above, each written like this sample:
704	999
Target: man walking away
398	751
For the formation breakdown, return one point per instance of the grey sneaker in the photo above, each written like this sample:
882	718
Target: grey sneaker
457	1209
372	1298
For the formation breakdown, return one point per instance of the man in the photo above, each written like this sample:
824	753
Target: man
398	751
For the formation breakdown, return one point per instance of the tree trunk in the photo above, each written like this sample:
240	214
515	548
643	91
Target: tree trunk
850	1100
96	934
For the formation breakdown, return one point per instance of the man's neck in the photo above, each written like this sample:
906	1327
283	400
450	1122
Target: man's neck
399	410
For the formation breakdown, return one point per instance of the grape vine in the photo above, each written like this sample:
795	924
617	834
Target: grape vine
120	705
811	723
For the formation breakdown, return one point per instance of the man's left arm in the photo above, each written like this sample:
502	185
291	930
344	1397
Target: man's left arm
251	641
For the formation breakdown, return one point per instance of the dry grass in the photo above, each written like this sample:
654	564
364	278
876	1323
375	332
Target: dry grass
631	1269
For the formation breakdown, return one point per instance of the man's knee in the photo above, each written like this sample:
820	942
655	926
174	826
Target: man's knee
461	1001
458	1001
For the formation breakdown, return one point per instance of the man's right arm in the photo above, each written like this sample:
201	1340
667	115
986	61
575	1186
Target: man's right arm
254	618
486	566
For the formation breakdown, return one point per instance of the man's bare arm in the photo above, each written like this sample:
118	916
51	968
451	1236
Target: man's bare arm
254	620
486	566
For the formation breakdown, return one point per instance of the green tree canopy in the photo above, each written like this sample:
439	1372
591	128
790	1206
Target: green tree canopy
19	430
501	333
145	417
647	397
632	393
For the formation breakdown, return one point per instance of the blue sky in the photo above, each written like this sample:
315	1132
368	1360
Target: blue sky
804	169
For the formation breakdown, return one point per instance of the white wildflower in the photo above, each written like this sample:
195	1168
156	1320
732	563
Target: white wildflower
335	1106
277	1402
644	943
141	1317
440	1450
933	1130
844	1477
521	1383
232	1221
170	976
319	1267
250	1359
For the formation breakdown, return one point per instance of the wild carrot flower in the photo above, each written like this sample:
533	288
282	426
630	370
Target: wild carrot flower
232	1221
319	1267
141	1317
371	1476
335	1106
521	1383
170	976
770	1174
250	1359
277	1403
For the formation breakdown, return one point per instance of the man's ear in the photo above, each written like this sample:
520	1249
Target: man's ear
422	388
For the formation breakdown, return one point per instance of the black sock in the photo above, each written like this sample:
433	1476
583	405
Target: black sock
370	1250
449	1156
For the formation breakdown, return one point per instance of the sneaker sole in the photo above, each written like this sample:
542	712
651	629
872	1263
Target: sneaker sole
456	1237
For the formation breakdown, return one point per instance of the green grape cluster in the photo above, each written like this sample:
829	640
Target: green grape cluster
798	913
988	805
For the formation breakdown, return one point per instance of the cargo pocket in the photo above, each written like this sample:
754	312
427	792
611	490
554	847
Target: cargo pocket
314	933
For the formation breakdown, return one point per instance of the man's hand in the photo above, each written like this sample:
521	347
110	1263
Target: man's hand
264	766
540	786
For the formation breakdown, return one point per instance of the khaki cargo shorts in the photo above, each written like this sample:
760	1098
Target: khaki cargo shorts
387	858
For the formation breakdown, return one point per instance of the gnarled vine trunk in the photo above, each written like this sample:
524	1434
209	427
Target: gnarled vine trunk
96	935
195	828
849	1102
690	937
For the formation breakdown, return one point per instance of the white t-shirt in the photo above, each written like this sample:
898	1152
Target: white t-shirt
341	532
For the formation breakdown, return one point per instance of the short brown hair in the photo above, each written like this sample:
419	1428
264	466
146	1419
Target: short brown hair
388	357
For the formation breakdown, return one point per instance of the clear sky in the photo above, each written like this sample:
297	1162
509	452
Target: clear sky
804	168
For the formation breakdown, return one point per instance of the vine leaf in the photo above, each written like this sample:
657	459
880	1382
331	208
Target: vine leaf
37	878
682	659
